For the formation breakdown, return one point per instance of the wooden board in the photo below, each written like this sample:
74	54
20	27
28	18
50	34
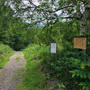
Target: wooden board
80	43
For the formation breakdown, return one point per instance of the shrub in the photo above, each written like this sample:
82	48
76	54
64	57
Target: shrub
5	53
34	79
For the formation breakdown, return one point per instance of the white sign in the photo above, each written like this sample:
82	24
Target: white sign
53	47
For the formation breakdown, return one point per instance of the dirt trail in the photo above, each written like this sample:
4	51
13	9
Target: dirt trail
7	74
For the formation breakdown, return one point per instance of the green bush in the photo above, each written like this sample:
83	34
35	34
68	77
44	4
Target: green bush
72	69
69	65
34	79
65	62
5	53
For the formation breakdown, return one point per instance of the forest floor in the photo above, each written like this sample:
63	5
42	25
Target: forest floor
11	74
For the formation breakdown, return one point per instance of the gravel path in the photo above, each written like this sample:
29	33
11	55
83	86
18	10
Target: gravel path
7	74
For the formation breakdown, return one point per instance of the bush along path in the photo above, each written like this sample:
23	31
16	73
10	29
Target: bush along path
5	53
8	78
34	79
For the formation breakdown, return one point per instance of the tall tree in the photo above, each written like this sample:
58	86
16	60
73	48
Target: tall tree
47	9
5	16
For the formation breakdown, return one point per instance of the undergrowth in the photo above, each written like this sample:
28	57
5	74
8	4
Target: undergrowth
34	79
5	53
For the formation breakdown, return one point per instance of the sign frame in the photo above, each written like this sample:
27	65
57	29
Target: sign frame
83	45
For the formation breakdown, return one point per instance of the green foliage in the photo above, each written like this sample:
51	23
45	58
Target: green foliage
34	78
12	29
62	66
47	10
82	70
69	65
5	53
67	58
85	85
5	16
17	38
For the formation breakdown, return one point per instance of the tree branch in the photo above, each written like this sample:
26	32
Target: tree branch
70	6
70	17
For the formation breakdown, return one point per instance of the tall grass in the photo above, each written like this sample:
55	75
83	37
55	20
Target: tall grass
34	79
5	53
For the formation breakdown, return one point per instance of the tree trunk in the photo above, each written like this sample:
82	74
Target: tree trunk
83	21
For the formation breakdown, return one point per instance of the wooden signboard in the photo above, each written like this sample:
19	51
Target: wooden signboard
80	43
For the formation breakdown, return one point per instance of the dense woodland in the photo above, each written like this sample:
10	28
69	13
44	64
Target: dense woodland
31	28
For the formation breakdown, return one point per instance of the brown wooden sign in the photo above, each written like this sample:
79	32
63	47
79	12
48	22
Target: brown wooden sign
80	43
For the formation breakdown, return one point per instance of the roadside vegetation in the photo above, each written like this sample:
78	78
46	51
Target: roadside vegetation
34	79
32	28
5	53
68	69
